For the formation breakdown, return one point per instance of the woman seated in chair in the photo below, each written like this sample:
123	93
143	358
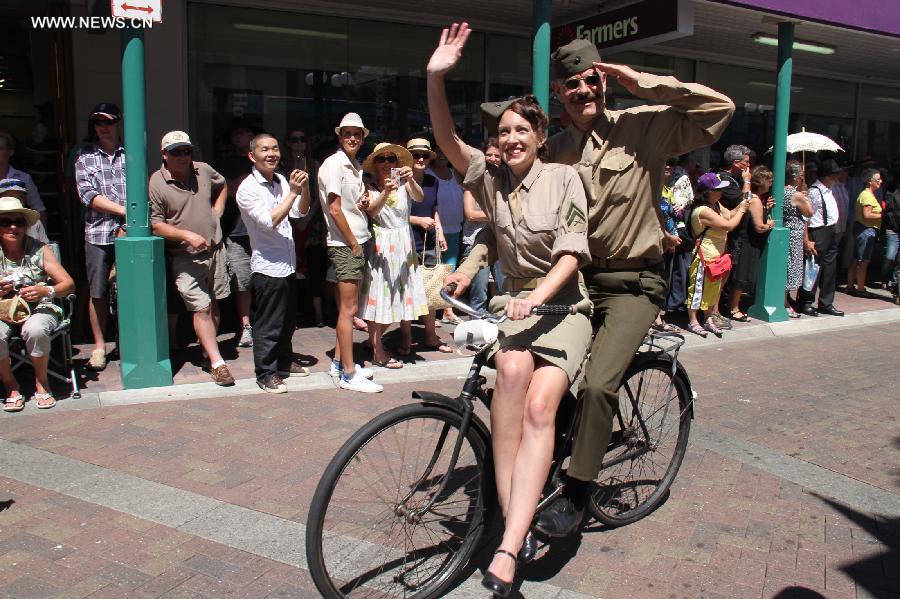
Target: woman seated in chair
537	229
30	277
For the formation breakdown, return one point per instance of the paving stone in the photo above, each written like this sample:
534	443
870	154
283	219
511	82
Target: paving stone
28	587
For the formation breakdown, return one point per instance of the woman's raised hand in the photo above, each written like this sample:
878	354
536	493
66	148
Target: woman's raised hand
405	174
449	49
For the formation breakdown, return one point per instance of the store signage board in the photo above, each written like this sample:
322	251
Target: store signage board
633	26
137	9
877	16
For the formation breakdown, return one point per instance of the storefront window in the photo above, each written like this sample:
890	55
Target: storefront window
281	71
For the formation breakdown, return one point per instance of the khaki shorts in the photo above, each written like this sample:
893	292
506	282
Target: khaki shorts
348	267
199	277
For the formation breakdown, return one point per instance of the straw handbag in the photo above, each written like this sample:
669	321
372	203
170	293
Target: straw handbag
433	278
14	310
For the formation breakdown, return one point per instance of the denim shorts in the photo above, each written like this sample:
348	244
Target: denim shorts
865	242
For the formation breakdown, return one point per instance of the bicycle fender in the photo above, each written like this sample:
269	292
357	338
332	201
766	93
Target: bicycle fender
680	371
450	403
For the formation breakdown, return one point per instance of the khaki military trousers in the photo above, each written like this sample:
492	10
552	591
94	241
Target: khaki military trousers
626	303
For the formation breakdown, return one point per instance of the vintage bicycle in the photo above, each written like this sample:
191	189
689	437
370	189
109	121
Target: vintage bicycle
404	503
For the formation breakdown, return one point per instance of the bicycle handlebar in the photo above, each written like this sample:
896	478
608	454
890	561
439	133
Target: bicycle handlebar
541	310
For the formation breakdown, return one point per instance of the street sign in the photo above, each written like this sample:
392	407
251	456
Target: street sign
137	9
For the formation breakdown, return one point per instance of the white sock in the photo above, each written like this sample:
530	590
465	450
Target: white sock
218	363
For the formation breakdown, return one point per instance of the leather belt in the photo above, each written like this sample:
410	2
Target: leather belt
516	284
624	262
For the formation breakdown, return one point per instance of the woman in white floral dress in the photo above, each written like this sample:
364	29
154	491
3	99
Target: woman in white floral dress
392	291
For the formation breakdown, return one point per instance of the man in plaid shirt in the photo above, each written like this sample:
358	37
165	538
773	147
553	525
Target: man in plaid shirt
100	177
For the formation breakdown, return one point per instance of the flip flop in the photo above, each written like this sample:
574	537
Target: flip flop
38	397
390	364
792	314
441	347
14	404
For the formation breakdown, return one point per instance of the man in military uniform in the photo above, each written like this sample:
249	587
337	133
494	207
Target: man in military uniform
619	156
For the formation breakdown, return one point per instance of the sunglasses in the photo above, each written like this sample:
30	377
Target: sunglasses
297	139
390	158
8	222
180	152
575	82
420	156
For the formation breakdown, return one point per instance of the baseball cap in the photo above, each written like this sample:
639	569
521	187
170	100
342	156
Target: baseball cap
106	110
710	181
175	139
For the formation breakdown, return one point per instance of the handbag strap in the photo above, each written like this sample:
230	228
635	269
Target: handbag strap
437	246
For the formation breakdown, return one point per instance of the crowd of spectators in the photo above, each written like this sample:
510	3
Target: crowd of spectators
273	214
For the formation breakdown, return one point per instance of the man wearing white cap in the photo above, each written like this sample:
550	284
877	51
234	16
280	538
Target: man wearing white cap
344	201
187	199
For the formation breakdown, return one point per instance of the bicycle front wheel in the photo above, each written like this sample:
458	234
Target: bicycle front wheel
649	440
394	515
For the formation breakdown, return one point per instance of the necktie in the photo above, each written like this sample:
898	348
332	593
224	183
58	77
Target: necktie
515	204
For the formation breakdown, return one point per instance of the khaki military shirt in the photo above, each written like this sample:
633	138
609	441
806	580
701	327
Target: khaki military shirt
549	220
620	162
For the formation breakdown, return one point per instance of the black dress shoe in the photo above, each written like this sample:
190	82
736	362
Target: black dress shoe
529	548
809	311
494	584
830	311
560	519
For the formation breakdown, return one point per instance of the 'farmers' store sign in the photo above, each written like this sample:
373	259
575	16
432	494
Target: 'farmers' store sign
640	24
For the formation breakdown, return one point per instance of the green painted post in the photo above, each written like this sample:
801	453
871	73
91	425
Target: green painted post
769	302
140	262
540	53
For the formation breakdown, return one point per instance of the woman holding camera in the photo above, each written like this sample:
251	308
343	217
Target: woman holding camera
31	274
392	291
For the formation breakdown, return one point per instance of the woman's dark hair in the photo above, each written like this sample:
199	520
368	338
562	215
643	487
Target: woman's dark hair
490	142
759	177
867	175
530	109
792	170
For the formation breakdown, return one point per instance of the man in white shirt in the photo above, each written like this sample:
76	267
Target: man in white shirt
821	240
344	202
266	200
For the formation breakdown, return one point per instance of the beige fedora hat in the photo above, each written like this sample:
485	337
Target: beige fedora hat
351	119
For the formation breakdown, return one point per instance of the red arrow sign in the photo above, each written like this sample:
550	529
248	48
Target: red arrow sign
146	9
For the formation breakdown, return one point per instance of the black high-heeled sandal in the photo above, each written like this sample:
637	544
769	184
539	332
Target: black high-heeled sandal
494	584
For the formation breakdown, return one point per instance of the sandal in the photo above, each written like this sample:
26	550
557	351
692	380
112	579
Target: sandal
37	398
742	318
710	326
14	404
792	313
390	363
403	350
664	327
697	329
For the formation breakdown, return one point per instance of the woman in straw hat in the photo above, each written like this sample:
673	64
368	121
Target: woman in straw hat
537	229
31	270
391	292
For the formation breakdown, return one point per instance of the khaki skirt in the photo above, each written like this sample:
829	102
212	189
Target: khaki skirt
561	341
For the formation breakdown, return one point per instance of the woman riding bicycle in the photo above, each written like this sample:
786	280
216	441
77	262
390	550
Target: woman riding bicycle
537	230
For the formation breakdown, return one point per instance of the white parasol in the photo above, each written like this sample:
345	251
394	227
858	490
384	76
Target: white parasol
806	141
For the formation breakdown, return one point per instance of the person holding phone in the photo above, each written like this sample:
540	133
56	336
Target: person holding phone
392	291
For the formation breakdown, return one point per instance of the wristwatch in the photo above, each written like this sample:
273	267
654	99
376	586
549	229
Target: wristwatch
51	292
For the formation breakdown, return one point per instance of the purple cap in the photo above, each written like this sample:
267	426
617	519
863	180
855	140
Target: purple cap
710	181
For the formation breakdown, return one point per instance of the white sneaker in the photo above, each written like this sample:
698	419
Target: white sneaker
360	383
246	337
335	370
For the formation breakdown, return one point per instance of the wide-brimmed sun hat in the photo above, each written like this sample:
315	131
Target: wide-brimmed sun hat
13	205
419	144
351	119
404	158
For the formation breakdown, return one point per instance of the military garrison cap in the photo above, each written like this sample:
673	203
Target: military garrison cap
491	113
573	58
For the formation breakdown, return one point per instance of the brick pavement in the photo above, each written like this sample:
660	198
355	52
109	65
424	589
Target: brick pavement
730	529
315	345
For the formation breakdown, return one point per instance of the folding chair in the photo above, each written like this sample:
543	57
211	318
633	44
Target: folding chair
60	369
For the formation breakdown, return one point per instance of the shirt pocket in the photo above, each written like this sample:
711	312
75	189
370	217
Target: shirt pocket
351	189
541	222
615	166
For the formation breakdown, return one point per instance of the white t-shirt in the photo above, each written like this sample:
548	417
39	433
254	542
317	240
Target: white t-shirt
340	176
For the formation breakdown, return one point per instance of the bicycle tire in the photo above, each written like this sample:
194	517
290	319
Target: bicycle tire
344	562
626	492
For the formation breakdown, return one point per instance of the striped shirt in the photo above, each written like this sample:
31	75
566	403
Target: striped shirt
98	173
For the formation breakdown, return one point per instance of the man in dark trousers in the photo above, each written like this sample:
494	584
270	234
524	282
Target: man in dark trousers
822	241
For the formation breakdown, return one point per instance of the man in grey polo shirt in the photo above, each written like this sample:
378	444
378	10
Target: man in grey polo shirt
186	201
266	199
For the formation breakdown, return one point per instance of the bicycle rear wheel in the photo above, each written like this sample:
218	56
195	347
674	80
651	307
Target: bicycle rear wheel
364	535
649	440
